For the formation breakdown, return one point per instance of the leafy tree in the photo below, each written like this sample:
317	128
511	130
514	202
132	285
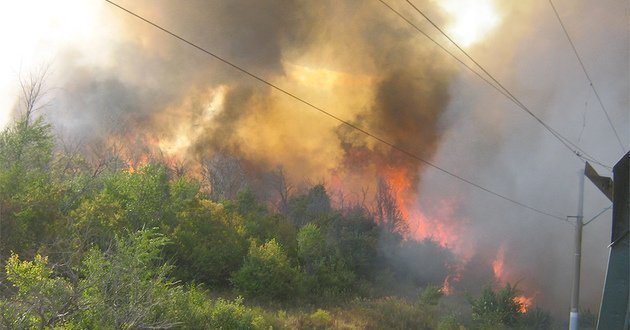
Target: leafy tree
97	220
388	214
125	202
143	194
261	224
266	273
354	239
325	274
28	198
311	248
311	207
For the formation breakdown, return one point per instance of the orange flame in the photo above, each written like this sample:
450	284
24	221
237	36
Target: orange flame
447	288
498	265
524	303
442	228
502	276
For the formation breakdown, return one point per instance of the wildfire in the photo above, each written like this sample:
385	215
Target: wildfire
442	228
524	303
502	276
138	149
446	286
498	265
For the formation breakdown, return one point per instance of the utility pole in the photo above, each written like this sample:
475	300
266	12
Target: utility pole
575	293
614	312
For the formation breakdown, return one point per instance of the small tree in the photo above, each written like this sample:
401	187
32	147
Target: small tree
208	243
40	299
28	198
388	214
225	176
314	206
430	295
311	248
127	286
326	274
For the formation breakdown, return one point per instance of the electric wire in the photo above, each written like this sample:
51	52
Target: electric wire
443	48
576	150
598	214
323	111
588	77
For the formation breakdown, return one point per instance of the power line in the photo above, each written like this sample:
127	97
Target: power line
442	47
597	215
566	142
577	55
321	110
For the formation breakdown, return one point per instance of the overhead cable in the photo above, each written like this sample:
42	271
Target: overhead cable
576	150
588	77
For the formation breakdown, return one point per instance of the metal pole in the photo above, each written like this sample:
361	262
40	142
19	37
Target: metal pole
575	294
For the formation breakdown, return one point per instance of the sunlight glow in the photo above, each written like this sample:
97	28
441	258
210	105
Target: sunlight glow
33	32
471	20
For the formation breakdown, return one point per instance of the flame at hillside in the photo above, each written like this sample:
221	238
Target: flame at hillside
503	276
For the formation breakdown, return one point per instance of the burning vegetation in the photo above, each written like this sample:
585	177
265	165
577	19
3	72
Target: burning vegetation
135	220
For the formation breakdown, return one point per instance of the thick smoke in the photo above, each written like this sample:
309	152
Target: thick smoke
404	86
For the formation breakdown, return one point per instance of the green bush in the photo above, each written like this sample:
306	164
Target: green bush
208	244
39	299
127	286
266	273
497	309
318	320
430	295
325	275
233	315
448	322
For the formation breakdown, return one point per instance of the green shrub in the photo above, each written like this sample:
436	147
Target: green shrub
497	309
430	295
208	244
40	298
266	273
448	322
321	319
127	286
233	315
